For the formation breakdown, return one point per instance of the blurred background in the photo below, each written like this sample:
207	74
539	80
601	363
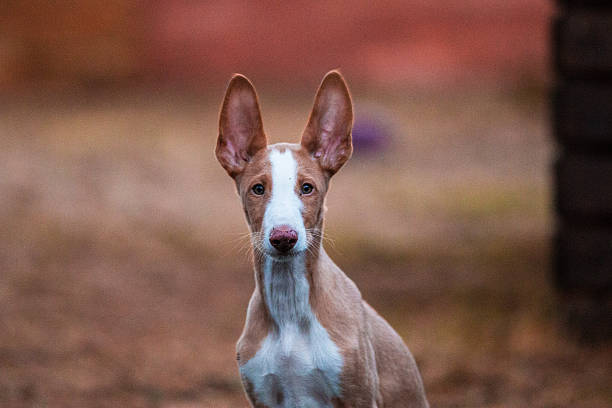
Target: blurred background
124	266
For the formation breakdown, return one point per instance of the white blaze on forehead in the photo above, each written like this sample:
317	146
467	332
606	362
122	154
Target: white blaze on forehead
284	207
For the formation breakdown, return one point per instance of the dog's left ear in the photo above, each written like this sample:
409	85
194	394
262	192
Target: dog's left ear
327	136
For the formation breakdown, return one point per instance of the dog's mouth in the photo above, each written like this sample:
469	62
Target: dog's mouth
283	256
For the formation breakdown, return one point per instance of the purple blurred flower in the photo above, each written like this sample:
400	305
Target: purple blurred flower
371	132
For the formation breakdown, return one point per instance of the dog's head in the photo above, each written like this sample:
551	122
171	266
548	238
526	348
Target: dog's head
283	186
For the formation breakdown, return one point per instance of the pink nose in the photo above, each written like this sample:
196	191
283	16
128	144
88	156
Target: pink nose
283	238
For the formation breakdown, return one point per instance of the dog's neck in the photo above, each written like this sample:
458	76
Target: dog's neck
288	285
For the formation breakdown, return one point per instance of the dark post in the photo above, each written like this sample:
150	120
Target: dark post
582	122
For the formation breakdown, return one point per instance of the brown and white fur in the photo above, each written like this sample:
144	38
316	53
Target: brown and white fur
309	340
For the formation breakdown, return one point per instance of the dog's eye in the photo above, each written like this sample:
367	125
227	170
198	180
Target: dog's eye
258	189
307	188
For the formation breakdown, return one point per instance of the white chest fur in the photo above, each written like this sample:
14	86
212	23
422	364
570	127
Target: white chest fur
298	364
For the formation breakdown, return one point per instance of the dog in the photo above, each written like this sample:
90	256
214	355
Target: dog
309	340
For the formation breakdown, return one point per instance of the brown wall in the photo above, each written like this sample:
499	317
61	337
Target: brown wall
415	42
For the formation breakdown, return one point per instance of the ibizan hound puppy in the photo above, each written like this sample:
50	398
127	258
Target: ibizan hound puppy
309	340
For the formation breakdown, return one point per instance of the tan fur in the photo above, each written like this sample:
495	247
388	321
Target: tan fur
378	369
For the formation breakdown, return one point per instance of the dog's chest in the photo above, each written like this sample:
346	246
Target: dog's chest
295	369
297	364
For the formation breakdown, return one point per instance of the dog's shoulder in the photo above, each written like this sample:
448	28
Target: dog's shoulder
256	328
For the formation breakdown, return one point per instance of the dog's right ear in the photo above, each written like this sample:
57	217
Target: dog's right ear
241	133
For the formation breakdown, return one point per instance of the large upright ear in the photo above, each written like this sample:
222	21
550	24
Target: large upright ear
241	133
328	133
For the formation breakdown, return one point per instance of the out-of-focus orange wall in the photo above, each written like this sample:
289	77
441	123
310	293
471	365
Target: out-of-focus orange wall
70	41
420	42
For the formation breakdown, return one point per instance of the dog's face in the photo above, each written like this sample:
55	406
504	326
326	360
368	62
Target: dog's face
283	186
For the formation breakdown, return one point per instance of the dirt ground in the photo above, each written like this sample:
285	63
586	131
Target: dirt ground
124	265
